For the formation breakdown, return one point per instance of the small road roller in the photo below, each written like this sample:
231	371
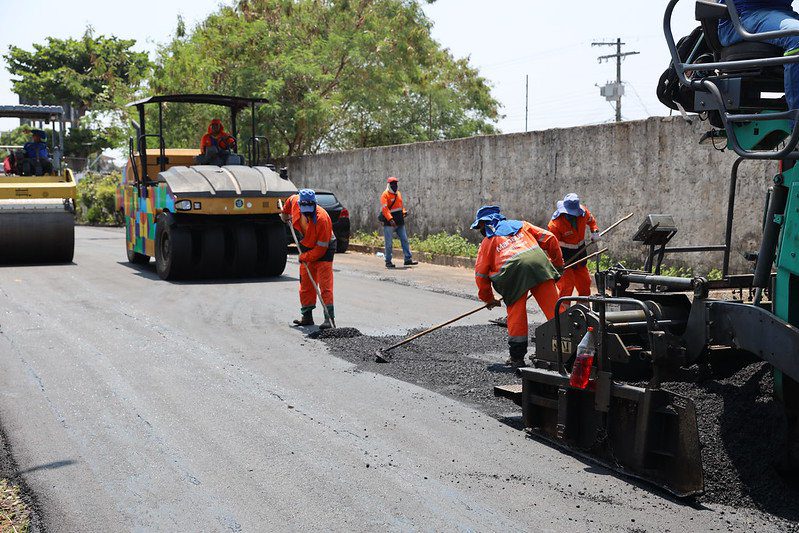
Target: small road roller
201	218
37	195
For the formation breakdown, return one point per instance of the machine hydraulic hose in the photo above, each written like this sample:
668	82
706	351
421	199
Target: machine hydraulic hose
771	233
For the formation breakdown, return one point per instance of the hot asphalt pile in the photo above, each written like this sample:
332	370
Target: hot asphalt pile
742	428
742	432
461	362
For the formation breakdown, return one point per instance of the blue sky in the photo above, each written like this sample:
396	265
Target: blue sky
505	39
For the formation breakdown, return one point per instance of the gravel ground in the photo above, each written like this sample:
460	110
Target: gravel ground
741	425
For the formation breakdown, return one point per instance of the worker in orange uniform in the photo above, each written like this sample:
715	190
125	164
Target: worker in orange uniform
392	215
317	248
516	258
569	224
216	145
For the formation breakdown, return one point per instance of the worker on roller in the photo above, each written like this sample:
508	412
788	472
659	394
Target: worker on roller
217	145
392	215
516	258
317	248
37	156
759	16
575	228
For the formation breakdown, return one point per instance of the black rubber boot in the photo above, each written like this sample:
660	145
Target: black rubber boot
305	320
517	352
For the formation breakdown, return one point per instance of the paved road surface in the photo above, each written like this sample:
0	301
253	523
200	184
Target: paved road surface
136	404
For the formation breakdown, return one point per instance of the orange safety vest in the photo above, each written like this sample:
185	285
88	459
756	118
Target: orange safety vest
500	258
572	237
318	242
391	204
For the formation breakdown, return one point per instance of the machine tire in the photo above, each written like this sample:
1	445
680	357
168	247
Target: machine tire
172	249
136	258
212	252
274	250
244	250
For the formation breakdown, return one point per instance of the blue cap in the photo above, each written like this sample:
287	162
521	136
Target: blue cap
487	213
307	201
40	133
569	205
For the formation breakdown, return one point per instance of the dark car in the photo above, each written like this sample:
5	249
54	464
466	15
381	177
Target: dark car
338	214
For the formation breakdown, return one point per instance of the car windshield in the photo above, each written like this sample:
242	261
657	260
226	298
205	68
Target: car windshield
326	199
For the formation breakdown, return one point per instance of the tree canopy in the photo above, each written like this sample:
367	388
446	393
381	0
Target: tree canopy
338	74
94	72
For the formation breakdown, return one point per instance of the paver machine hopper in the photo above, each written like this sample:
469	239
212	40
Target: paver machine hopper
37	196
650	328
203	220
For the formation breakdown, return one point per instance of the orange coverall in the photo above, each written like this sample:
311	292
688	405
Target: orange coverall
572	238
317	245
222	140
394	201
497	255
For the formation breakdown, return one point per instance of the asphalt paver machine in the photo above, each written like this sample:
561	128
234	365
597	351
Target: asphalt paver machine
650	327
203	220
37	205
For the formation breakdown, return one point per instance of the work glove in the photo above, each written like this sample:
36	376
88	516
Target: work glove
393	223
493	303
559	268
595	236
285	218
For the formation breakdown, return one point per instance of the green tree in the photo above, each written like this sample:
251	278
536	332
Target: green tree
338	74
94	72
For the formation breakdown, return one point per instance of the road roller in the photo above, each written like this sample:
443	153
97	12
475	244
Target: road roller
37	195
199	216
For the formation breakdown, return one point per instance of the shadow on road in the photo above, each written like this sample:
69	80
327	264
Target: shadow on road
148	272
23	265
48	466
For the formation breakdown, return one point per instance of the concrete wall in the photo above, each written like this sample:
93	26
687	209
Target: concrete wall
650	166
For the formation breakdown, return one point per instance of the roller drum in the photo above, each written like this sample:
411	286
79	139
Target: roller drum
36	232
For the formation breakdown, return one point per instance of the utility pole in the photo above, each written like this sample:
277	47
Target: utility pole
526	99
614	91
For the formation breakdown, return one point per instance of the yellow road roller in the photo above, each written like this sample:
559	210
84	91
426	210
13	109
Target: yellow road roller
37	193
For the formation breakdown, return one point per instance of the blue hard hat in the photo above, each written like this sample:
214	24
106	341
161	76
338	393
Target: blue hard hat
569	205
307	201
486	213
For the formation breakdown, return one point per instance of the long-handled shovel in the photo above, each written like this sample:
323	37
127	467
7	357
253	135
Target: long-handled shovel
313	282
382	356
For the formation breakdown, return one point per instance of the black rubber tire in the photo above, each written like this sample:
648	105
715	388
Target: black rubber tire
172	249
212	252
136	258
244	250
342	245
275	250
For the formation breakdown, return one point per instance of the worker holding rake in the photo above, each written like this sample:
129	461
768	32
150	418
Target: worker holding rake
516	258
317	248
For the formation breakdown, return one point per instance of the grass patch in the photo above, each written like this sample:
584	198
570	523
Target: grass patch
606	262
14	514
439	243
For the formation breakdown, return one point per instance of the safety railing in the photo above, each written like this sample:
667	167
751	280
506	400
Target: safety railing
709	86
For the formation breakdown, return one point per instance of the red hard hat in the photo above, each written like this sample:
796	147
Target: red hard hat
392	179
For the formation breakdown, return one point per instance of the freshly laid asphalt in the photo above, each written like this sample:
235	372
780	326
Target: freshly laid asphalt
133	404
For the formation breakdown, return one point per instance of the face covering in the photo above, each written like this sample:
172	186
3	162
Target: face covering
394	185
483	231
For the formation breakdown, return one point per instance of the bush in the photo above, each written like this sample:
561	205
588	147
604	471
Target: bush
97	199
440	243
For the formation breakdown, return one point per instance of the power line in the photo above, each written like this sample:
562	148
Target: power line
614	91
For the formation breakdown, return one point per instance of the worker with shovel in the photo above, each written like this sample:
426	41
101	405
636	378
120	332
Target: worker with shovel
571	223
516	258
317	248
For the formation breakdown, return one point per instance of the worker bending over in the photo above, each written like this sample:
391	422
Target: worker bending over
317	248
516	258
568	224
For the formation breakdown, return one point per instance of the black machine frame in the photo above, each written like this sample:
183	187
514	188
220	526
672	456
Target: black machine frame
235	104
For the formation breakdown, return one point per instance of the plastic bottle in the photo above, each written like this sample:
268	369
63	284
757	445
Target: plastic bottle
581	371
380	255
